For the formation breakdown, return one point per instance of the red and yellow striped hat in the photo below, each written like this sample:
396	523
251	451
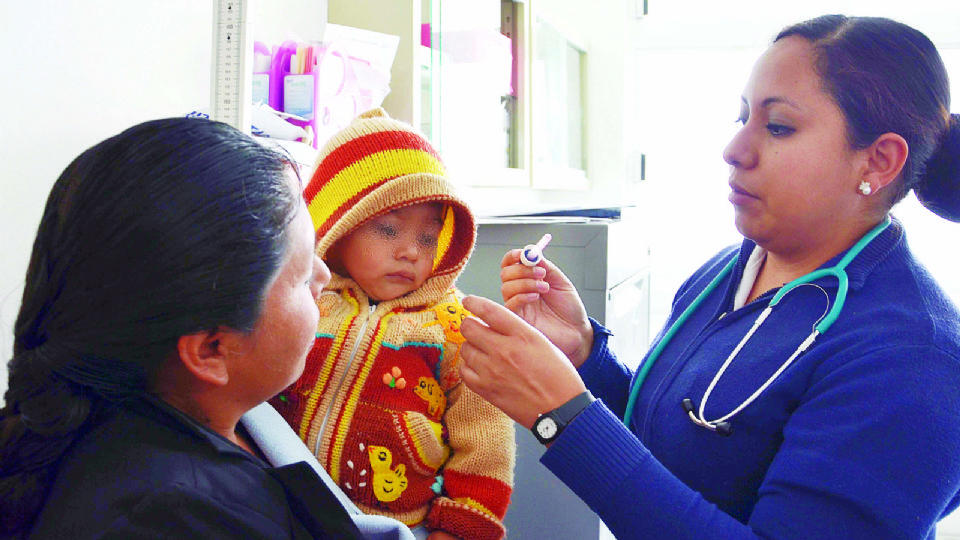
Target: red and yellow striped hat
377	164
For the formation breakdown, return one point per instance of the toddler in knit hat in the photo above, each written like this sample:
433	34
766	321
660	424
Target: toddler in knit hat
380	402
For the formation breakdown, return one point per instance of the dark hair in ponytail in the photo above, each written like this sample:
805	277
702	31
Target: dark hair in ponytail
172	227
888	77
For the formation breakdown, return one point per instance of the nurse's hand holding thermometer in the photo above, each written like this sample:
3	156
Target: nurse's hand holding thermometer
508	362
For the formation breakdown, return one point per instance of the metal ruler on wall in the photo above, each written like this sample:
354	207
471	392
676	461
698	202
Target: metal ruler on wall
231	87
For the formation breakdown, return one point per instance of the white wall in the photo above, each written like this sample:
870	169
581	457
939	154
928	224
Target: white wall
78	72
83	71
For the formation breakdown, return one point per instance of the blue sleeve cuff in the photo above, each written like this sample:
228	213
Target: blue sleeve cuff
605	465
594	454
591	366
603	374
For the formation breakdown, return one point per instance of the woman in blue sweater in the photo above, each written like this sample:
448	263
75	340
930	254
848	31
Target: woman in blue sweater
848	431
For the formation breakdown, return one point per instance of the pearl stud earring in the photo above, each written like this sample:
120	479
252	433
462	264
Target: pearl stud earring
865	188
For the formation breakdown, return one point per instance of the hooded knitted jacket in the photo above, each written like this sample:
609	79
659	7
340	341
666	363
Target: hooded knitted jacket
380	401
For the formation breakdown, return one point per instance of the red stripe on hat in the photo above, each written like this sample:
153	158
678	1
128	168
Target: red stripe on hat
341	210
355	149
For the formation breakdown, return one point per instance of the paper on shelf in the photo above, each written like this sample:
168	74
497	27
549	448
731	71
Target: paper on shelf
266	122
374	47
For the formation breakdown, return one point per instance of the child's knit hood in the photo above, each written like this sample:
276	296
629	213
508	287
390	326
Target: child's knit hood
377	164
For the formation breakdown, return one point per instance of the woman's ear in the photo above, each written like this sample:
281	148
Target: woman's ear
204	355
884	160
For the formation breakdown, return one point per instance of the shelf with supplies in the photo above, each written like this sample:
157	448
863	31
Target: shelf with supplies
526	94
293	80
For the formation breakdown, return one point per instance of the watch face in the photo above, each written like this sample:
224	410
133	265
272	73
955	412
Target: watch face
546	428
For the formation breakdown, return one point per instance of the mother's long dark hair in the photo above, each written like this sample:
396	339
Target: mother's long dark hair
172	227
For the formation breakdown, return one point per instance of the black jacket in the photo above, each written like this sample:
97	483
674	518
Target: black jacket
149	471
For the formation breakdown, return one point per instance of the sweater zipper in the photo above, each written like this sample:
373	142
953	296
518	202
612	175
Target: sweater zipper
764	296
343	378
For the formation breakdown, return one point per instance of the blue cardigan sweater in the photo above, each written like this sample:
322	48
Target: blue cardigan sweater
859	438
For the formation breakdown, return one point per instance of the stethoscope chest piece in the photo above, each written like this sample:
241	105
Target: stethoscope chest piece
722	428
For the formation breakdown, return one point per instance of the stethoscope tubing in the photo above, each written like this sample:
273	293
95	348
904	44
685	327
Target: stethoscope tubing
843	283
668	337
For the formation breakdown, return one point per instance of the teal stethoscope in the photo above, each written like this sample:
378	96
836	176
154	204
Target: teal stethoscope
721	425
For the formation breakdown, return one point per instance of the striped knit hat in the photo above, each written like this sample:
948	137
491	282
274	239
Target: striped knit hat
377	164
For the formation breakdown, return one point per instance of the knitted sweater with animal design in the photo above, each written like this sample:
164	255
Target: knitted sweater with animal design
381	402
382	406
